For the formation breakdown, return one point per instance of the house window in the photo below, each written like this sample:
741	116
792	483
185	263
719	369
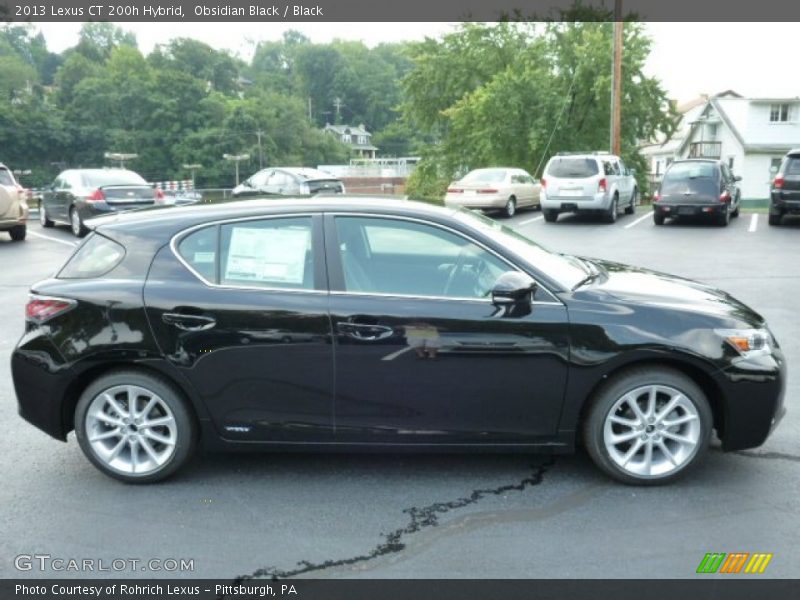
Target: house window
346	139
778	113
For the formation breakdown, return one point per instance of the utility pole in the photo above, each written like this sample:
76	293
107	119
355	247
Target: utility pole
260	153
616	81
337	102
236	158
193	168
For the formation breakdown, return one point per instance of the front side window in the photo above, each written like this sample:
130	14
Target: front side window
399	257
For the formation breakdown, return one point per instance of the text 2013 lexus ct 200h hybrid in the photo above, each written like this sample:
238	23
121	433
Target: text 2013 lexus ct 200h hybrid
382	324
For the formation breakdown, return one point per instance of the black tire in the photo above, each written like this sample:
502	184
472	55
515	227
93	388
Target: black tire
658	218
550	215
510	208
43	217
610	215
18	233
184	417
610	392
76	223
631	208
774	219
735	213
724	219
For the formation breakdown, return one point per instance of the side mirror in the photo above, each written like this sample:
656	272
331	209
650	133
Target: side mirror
513	288
737	178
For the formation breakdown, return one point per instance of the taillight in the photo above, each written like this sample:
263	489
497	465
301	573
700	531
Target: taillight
455	191
96	196
159	195
777	183
543	181
656	197
487	191
724	197
602	185
42	308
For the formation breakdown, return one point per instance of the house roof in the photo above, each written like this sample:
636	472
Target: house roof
348	129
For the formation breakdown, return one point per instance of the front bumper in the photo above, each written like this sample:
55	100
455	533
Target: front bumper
753	393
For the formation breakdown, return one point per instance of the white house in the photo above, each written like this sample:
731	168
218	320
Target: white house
358	138
751	134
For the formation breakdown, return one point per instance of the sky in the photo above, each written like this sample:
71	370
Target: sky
754	59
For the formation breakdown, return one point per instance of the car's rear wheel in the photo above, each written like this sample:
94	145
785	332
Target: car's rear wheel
724	219
775	219
43	219
735	213
18	233
648	426
550	215
631	208
610	215
135	427
658	218
510	208
75	223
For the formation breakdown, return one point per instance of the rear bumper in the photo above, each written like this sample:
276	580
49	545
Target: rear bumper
491	201
782	206
575	203
753	393
689	210
8	222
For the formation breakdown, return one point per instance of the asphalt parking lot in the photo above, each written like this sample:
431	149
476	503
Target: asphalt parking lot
424	516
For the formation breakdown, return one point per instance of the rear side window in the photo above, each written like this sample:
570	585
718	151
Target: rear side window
572	168
199	250
97	256
792	166
5	177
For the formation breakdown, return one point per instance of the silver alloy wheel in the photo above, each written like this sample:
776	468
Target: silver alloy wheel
42	215
652	431
75	221
511	207
131	430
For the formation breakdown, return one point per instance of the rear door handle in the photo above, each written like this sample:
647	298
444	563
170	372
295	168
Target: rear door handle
362	331
188	322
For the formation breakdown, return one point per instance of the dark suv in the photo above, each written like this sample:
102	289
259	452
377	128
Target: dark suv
785	197
697	187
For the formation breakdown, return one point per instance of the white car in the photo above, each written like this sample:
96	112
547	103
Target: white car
13	206
595	182
503	189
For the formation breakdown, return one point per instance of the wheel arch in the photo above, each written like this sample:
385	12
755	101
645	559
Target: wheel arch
697	374
79	384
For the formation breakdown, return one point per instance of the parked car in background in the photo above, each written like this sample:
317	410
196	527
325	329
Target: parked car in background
503	189
785	195
79	194
697	187
594	182
289	181
13	205
319	322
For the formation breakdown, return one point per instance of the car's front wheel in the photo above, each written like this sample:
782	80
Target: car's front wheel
135	427
43	218
648	426
511	208
18	233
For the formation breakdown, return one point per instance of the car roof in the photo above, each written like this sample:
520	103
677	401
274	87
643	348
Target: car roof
99	170
168	220
306	172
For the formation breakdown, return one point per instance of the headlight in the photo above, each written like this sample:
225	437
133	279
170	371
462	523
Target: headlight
747	342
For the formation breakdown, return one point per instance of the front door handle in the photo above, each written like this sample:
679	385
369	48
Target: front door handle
363	331
188	322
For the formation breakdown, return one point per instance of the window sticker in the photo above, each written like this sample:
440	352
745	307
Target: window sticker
203	257
274	255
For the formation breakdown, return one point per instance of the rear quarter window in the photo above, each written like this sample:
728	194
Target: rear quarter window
572	168
199	250
792	166
97	256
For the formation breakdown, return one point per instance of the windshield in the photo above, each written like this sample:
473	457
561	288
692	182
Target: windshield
485	176
565	270
572	167
112	177
5	177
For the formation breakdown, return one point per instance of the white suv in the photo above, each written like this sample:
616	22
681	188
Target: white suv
13	207
588	182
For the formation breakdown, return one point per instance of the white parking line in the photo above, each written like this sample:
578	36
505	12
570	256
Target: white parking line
639	220
52	239
533	220
753	223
